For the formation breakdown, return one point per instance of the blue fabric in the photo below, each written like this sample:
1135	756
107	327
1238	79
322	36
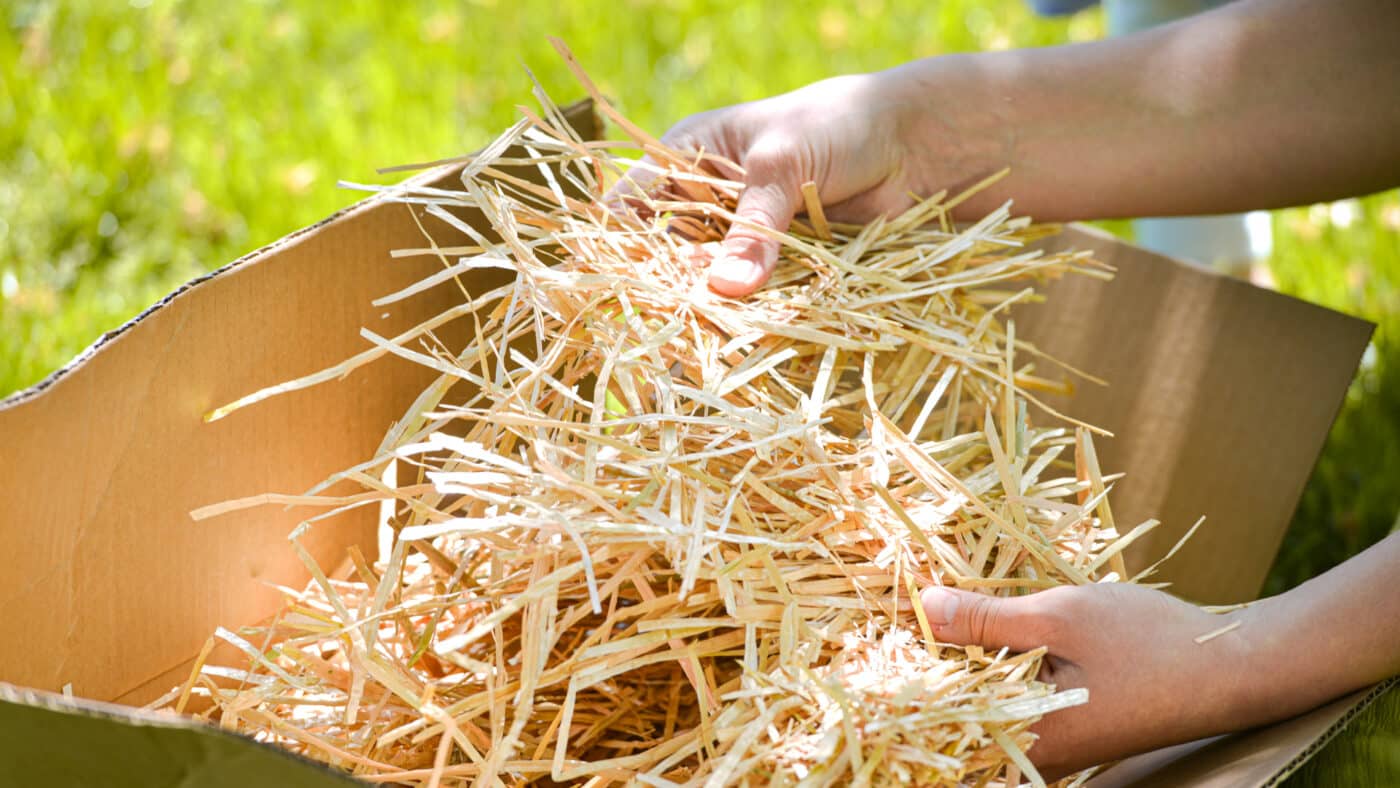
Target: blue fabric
1059	7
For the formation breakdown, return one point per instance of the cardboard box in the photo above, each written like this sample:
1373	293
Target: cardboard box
1221	395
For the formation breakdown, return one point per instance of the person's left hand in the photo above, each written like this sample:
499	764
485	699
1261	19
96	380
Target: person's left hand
843	134
1150	683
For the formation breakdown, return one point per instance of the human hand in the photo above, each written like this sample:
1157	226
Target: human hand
844	134
1151	684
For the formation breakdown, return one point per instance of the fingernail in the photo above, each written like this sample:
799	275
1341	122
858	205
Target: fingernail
940	605
736	271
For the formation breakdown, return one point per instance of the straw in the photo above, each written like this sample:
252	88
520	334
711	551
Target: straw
639	532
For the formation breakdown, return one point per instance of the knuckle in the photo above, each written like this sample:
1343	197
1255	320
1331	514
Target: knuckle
771	154
982	619
768	204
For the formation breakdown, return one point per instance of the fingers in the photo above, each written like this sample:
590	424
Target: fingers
1021	623
643	176
890	198
966	618
771	195
770	198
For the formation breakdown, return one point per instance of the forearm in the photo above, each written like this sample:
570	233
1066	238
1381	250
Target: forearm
1335	633
1260	104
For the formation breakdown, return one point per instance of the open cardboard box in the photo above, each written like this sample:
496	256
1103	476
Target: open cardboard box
1220	393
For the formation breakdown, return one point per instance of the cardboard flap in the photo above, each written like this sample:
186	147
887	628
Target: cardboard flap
56	741
107	577
1220	395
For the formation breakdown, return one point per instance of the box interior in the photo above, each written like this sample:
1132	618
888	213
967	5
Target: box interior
1220	395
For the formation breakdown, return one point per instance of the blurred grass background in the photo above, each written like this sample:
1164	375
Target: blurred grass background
144	143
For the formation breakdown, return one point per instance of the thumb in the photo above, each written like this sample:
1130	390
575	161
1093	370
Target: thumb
965	618
749	255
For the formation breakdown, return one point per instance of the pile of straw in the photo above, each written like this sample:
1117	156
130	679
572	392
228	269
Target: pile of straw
643	533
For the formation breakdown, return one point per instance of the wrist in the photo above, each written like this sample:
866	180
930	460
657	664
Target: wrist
1248	686
1278	675
949	141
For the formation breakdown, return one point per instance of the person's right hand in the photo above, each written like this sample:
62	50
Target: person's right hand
1160	671
1150	683
845	134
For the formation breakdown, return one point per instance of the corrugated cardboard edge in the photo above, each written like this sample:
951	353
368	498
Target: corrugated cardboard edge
1368	697
1365	752
1259	758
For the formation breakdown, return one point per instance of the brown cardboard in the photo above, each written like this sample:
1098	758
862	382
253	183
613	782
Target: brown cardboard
104	463
1221	394
106	575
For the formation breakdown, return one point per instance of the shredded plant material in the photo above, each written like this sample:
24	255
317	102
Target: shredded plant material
640	533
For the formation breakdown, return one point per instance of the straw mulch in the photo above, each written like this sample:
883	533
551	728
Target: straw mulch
640	533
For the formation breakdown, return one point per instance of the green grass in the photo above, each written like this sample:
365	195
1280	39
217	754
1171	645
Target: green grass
1351	265
142	144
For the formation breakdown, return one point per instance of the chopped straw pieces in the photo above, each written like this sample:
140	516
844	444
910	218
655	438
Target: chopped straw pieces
641	533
